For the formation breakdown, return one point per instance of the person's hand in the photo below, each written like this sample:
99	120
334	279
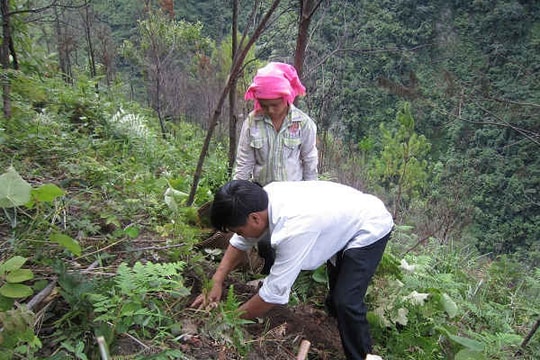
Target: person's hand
208	300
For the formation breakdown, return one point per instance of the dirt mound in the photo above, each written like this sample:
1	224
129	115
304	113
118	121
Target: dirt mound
278	335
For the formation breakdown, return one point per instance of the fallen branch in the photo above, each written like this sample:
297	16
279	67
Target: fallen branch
529	336
102	249
152	248
91	267
146	347
42	295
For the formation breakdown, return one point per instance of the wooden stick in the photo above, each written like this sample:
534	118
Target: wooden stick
529	337
103	349
303	350
36	300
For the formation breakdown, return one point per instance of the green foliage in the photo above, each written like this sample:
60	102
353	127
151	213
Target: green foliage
226	324
77	349
12	276
455	313
18	192
15	190
402	167
133	303
17	338
131	126
95	174
75	324
164	50
310	286
222	57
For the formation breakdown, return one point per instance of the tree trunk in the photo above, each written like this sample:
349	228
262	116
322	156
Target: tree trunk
233	75
62	48
307	9
4	58
232	92
88	33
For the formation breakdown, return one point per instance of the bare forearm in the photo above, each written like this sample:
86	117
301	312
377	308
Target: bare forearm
231	259
255	307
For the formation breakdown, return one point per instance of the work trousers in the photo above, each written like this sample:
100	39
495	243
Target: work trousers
349	280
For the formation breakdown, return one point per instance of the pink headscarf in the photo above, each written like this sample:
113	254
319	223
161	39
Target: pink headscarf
275	80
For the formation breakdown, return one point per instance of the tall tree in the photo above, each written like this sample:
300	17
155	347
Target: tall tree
233	74
232	92
4	57
307	10
7	49
172	56
64	41
88	22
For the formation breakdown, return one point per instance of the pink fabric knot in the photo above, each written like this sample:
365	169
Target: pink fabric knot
275	80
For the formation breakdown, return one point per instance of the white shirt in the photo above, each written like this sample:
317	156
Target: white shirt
309	222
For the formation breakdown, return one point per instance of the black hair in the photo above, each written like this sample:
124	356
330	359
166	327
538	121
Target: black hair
234	201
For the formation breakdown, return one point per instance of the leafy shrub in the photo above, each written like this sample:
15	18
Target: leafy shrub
134	302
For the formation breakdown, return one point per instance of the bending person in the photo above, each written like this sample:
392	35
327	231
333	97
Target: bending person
309	223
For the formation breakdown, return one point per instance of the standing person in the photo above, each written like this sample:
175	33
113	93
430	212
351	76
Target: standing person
278	140
309	223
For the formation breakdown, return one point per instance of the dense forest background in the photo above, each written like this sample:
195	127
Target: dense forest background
432	105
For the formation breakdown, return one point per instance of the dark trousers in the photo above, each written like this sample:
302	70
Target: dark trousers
349	281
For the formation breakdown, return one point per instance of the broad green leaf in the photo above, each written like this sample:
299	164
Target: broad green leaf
15	291
6	304
132	231
468	354
129	309
174	197
320	276
468	343
67	242
14	190
19	275
47	192
449	305
12	264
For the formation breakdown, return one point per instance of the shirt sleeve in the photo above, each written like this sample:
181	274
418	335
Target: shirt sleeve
308	151
242	243
291	251
245	156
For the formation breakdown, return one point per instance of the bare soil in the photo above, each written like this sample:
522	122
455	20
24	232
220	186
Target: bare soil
278	335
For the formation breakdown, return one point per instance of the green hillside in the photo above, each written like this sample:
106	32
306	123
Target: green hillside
431	105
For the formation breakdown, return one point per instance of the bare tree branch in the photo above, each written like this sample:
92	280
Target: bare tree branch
47	7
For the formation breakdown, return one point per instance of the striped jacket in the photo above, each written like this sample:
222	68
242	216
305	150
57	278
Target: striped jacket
264	155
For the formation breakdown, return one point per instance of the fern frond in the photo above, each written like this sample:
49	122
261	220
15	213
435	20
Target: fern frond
133	126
